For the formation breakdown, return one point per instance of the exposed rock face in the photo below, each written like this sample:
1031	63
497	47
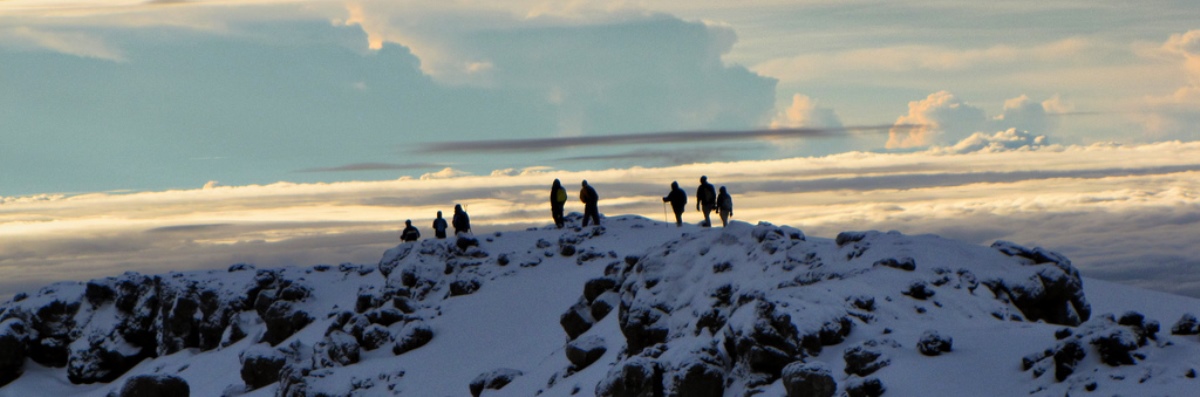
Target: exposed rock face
283	319
414	336
933	343
802	379
584	351
13	338
869	387
494	380
864	359
1054	294
155	386
261	366
637	377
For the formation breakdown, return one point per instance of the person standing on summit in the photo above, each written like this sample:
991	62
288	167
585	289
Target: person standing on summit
590	209
461	222
706	199
558	198
724	206
678	199
439	226
410	232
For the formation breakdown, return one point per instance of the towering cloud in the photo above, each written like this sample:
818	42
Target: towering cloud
940	117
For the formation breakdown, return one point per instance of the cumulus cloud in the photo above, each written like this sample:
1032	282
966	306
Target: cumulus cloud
444	174
942	118
1010	139
1177	116
804	113
939	117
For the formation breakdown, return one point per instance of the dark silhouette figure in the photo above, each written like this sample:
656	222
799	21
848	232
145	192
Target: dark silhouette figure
439	226
410	232
558	198
461	222
590	209
706	199
678	200
724	206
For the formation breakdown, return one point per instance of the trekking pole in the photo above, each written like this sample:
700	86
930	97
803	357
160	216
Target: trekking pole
665	220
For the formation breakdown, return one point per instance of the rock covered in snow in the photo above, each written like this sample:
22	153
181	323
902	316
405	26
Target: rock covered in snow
494	380
155	386
802	379
933	343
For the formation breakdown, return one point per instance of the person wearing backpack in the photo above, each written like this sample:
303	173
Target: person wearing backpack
558	199
410	232
461	222
590	199
678	200
724	206
706	199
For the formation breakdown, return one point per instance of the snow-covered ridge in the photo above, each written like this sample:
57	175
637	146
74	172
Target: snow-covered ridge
633	308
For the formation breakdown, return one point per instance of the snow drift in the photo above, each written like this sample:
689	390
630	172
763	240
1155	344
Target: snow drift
631	308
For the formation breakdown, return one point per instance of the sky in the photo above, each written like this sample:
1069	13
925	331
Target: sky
171	135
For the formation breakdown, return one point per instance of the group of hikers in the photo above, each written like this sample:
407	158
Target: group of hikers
461	223
708	200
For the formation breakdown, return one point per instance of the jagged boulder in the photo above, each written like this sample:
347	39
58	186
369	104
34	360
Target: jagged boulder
642	326
764	342
577	320
933	343
584	351
52	323
869	387
637	377
1066	358
338	349
802	379
374	337
1187	325
102	358
1054	294
155	385
699	378
864	359
14	336
283	319
261	365
494	380
413	336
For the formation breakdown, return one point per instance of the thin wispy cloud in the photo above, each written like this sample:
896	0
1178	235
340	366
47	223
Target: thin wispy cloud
374	167
651	138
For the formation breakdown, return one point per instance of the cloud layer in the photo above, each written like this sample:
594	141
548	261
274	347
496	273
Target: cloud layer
1137	222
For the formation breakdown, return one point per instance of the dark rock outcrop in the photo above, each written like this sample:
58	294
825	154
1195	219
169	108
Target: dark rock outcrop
933	343
1054	294
283	319
637	377
413	336
155	386
802	379
584	351
261	366
493	380
13	338
864	359
869	387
